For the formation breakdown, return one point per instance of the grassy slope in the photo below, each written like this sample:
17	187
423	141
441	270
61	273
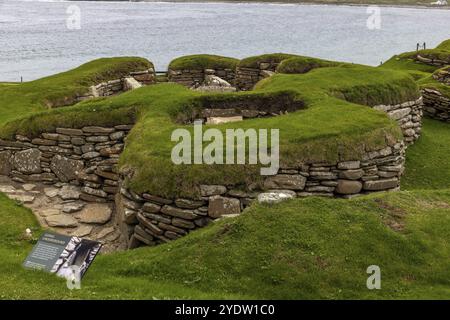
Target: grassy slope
19	100
305	248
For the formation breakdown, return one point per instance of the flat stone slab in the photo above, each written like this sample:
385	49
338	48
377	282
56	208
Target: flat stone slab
73	207
97	213
275	197
82	231
106	231
51	192
7	189
28	186
22	198
69	193
49	212
61	220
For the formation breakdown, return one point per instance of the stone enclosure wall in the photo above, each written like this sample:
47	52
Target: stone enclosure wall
149	219
408	116
193	77
85	157
436	105
109	88
246	78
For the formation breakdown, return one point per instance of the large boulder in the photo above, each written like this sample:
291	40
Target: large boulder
97	213
28	161
66	169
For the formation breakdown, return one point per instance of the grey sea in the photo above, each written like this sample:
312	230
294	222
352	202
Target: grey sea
35	40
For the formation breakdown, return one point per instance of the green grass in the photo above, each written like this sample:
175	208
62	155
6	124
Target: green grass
19	100
302	249
427	165
336	125
203	61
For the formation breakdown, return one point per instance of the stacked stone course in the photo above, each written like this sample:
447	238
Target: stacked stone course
193	77
148	219
246	78
408	116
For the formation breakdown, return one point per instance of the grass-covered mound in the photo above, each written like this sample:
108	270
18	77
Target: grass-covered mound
18	100
336	124
298	65
203	61
253	62
301	249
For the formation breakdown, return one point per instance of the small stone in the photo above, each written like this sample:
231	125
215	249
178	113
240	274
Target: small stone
382	184
28	161
73	207
7	189
351	174
219	206
212	190
69	193
51	192
28	186
348	187
275	196
61	220
22	198
285	181
82	231
104	232
177	212
49	212
188	204
151	207
349	165
183	223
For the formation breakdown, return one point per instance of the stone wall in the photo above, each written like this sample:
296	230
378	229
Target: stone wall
436	105
113	87
86	157
408	116
148	219
429	60
443	75
246	78
193	77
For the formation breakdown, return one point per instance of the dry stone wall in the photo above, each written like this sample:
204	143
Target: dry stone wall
246	78
148	219
408	116
194	77
436	104
113	87
85	157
